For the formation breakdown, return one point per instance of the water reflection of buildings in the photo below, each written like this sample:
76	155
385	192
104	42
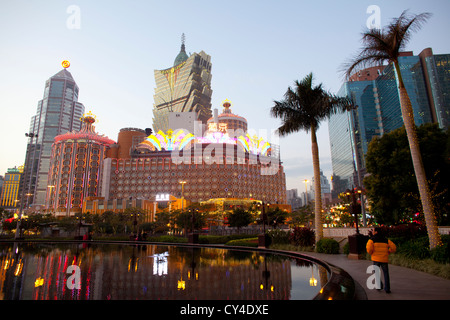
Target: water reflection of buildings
146	273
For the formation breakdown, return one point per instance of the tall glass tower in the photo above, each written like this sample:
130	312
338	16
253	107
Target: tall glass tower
184	87
375	91
58	112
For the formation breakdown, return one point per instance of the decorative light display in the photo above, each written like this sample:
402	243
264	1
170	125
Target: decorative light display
180	140
216	137
170	141
254	144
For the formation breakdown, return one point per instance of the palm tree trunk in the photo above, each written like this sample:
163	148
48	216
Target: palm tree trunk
411	132
317	186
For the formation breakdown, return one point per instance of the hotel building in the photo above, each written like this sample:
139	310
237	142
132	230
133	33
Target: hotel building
179	165
184	87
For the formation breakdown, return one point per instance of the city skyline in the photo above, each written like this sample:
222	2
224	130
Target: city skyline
257	48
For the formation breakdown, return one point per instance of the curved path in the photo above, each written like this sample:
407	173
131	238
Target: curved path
406	283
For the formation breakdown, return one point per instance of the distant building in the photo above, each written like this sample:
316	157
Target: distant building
293	199
10	190
325	189
184	87
76	168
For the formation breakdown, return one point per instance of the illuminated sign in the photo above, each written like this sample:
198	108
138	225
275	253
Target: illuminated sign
65	64
162	197
222	127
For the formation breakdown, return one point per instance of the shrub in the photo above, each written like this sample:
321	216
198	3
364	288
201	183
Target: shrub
279	236
327	245
442	254
302	236
212	239
415	249
250	242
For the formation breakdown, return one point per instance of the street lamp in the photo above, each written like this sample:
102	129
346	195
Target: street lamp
17	235
182	182
357	241
354	207
262	238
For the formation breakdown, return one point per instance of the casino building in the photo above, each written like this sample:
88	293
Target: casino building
198	169
76	167
183	87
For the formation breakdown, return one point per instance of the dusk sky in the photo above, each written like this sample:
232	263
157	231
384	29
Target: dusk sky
257	49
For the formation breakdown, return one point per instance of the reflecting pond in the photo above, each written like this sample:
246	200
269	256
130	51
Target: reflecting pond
80	271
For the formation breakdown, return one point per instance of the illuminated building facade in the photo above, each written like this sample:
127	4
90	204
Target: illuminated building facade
76	166
10	190
213	166
184	87
228	122
58	112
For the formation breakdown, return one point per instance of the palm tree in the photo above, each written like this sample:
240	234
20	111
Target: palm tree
303	108
379	46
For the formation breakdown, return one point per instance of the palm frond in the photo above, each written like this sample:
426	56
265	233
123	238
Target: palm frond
304	106
384	45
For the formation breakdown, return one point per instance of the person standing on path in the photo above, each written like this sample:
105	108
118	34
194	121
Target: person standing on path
379	247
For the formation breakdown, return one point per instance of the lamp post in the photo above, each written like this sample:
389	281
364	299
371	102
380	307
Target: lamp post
262	238
357	242
183	182
17	235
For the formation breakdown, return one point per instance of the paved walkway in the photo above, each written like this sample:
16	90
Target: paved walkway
406	284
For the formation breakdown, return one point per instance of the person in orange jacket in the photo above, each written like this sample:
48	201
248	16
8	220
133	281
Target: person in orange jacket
379	247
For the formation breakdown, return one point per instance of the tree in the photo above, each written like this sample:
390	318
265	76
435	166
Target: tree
190	218
379	46
303	216
391	185
239	218
276	216
303	108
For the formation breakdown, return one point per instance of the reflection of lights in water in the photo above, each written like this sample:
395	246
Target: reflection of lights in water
160	264
181	284
39	282
18	268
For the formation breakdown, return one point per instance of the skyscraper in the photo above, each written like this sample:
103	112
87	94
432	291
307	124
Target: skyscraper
58	112
375	92
184	87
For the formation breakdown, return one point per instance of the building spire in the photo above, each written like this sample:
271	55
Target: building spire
182	56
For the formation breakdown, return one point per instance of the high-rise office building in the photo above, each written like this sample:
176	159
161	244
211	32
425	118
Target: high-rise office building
184	87
58	112
375	92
